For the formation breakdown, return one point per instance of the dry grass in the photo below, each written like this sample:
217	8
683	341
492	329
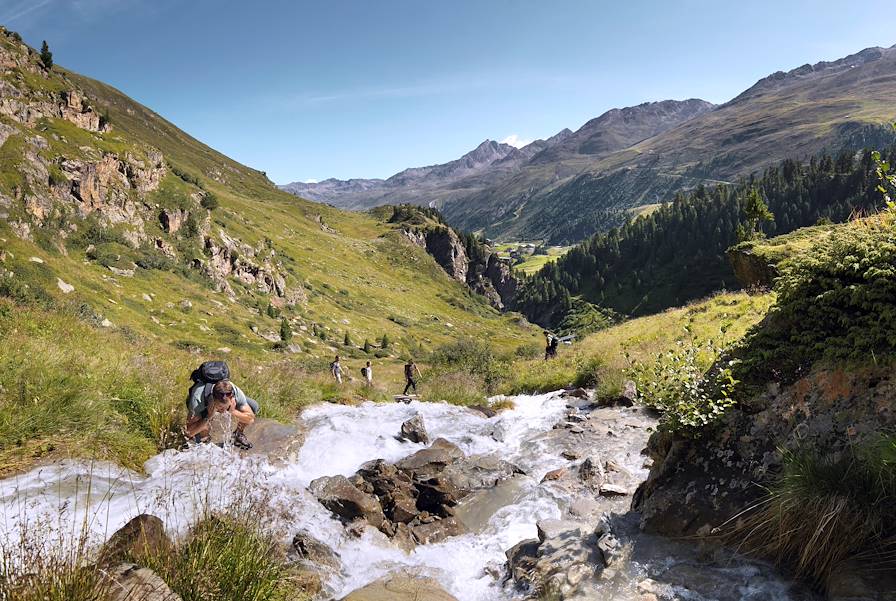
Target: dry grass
824	510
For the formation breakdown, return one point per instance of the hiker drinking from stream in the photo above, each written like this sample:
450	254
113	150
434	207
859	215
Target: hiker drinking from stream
410	371
336	369
212	393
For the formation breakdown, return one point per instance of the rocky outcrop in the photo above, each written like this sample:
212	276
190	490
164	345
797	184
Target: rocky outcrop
490	276
412	501
229	258
752	270
696	485
446	248
414	430
401	587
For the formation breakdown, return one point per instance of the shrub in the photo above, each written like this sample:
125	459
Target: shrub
285	330
209	202
678	383
46	57
824	509
473	357
836	302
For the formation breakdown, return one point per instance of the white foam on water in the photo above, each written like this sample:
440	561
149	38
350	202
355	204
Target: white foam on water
179	486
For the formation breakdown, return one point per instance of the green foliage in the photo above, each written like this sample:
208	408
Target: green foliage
209	201
46	57
677	383
285	330
822	510
384	342
366	345
835	302
346	340
755	214
225	558
272	311
677	253
472	357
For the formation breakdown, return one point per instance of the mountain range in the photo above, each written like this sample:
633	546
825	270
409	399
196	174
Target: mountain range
574	184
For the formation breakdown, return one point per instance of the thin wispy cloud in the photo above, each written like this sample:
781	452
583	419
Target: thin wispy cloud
451	85
516	141
21	10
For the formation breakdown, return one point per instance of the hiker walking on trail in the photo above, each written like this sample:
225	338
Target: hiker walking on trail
551	344
410	371
367	372
336	369
212	393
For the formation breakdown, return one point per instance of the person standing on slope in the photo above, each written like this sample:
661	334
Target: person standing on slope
410	371
336	370
367	372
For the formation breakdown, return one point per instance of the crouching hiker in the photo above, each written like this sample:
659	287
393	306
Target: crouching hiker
213	393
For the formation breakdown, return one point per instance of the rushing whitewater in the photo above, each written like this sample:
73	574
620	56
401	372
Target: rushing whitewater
179	486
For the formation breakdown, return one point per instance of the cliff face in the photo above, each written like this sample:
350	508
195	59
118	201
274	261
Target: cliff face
696	485
489	275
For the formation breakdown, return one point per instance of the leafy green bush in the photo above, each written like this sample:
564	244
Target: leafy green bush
835	302
678	383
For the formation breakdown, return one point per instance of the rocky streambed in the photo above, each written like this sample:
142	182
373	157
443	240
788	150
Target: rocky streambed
424	501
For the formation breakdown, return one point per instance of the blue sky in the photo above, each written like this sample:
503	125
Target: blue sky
364	89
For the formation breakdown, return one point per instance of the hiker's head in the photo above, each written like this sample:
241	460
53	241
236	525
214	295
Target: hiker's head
337	357
222	392
368	364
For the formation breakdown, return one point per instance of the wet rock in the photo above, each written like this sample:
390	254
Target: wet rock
310	549
570	454
344	500
143	535
592	473
609	490
401	587
432	459
554	474
579	393
436	530
414	430
552	529
521	559
485	410
129	582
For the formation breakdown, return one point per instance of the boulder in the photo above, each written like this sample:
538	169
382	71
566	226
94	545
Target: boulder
129	582
431	460
310	549
592	473
345	501
401	587
143	535
414	430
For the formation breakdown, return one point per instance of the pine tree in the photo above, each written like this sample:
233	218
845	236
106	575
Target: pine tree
366	345
46	57
347	341
384	342
285	330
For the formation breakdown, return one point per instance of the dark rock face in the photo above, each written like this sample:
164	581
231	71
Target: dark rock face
413	500
143	535
697	485
751	270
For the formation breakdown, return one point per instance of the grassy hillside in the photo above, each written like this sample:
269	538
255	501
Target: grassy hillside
130	252
350	273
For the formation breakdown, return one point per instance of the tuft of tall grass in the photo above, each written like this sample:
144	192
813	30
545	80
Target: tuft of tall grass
823	510
226	558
